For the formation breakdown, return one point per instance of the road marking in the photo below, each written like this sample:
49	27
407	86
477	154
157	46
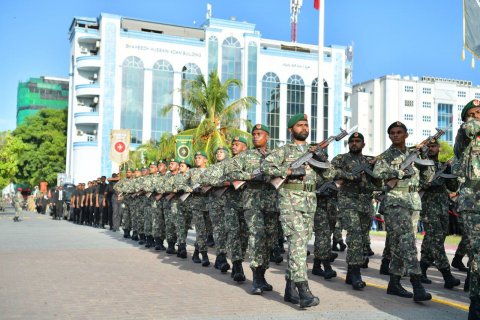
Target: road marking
457	305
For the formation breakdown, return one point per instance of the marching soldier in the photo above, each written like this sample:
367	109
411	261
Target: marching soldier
467	151
171	207
259	202
355	196
158	220
18	203
183	214
148	188
400	203
297	202
122	188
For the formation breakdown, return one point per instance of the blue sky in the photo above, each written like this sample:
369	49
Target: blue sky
409	37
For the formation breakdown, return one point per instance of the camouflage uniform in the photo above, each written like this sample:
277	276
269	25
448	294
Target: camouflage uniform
123	186
259	200
170	209
140	203
297	203
435	220
158	219
183	213
148	188
467	150
18	202
355	204
324	222
400	205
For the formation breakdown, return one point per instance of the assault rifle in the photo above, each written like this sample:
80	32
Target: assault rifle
365	168
184	196
414	156
257	176
329	185
308	156
440	173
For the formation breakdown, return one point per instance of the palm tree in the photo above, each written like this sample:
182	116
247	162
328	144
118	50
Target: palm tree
209	114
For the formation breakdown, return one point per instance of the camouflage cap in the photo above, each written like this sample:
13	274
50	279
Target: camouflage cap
396	124
259	126
240	139
472	104
295	118
201	153
356	135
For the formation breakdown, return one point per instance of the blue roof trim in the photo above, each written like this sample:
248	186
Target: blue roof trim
85	114
85	144
162	38
289	54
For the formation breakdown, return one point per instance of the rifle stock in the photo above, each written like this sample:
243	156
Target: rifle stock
219	191
184	196
237	184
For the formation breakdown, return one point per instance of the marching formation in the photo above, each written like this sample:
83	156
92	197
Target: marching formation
249	202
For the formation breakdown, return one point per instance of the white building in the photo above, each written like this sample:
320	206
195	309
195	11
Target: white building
123	71
421	104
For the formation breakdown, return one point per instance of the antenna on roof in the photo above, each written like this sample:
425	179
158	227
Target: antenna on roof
209	10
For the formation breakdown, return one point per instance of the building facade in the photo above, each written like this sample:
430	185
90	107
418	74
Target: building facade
41	93
124	71
423	104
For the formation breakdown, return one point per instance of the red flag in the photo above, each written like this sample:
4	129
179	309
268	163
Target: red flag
316	4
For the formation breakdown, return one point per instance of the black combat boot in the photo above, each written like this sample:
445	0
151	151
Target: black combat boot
159	244
419	293
385	267
342	245
210	242
395	288
466	285
458	264
263	282
182	250
281	241
354	277
135	236
205	260
149	243
126	233
328	272
307	299
142	239
317	267
423	278
335	246
196	256
221	263
365	263
237	271
171	248
333	256
474	311
275	255
450	280
369	251
256	285
291	293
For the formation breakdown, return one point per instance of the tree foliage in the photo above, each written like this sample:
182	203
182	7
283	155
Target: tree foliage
10	149
45	138
446	151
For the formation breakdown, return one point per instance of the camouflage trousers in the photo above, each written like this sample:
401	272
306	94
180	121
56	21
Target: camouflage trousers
337	231
464	245
472	228
158	221
18	209
183	220
297	209
398	221
127	214
387	250
200	220
262	228
138	215
435	223
357	223
324	224
170	212
148	219
236	226
216	212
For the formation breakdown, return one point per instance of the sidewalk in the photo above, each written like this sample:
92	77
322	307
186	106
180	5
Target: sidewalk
58	270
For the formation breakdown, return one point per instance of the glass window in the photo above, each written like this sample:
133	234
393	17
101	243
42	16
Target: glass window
426	104
313	118
408	116
162	95
252	80
408	103
477	95
410	131
271	106
212	54
462	94
426	133
445	119
295	97
232	64
189	72
408	88
132	97
325	110
426	118
427	90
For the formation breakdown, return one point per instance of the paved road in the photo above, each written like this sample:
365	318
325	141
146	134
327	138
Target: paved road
58	270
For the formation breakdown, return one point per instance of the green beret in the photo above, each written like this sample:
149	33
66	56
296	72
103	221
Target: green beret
396	124
162	161
240	139
259	126
186	162
221	148
472	104
153	163
298	117
356	135
201	153
144	168
137	169
177	160
131	169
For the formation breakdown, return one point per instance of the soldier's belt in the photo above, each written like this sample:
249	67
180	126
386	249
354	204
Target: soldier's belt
299	187
256	185
407	189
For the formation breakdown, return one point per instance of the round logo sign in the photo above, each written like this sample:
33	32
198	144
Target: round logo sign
119	147
183	152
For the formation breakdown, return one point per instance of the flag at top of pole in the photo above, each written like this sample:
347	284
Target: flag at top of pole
316	4
471	29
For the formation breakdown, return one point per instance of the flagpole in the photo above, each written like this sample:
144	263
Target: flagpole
320	95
